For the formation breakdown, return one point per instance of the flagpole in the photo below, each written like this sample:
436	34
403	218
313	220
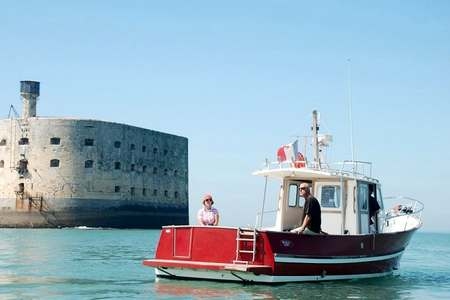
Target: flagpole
352	146
264	199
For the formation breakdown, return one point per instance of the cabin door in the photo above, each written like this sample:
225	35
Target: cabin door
292	211
363	207
368	207
182	242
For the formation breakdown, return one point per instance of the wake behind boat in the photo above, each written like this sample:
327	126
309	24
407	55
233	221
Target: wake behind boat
360	240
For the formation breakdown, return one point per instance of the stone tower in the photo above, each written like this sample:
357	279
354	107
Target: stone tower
29	90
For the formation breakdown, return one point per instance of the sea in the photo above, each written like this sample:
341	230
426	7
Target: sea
87	263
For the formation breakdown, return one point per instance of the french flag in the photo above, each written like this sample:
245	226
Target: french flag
287	152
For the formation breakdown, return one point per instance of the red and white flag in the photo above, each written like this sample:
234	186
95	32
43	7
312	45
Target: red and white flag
281	154
287	152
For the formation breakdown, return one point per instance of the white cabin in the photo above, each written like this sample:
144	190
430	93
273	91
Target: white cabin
348	195
344	199
350	198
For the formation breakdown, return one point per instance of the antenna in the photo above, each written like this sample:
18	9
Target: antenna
352	146
315	130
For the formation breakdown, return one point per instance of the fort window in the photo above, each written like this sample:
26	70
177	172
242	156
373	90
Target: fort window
144	148
2	163
175	173
55	141
88	163
117	165
155	170
144	169
54	163
155	150
165	171
132	191
23	166
155	192
166	151
23	141
144	192
3	142
89	142
132	167
116	189
132	146
175	194
116	144
166	193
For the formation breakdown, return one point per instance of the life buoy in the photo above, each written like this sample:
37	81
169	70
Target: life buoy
300	161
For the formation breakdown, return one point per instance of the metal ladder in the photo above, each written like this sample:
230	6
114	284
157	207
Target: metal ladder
246	236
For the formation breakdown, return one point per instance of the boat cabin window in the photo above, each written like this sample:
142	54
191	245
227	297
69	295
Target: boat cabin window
292	197
330	196
363	197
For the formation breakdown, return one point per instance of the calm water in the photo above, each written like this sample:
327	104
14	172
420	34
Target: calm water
106	264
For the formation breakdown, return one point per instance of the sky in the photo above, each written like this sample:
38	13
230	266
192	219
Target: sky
241	78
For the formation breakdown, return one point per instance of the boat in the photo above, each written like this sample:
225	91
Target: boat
358	240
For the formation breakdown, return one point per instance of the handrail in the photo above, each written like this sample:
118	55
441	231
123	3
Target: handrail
346	167
414	208
356	166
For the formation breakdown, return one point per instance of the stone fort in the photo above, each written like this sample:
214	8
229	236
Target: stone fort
57	172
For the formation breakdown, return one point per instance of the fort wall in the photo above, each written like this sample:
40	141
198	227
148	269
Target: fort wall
63	165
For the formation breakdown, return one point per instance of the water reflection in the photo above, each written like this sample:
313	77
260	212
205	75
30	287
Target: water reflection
387	288
166	288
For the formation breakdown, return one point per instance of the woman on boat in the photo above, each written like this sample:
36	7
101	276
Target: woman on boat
207	215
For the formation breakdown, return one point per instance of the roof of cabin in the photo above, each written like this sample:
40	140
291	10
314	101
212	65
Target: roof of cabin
310	173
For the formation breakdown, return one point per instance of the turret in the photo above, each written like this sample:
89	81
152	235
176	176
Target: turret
29	91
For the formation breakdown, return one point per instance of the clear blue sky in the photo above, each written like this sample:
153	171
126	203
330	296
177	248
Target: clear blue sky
240	78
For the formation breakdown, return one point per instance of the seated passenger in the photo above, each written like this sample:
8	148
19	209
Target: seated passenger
312	221
207	215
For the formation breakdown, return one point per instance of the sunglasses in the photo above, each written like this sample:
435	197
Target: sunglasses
303	188
208	200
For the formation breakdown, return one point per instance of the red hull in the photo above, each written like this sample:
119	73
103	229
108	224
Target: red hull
199	252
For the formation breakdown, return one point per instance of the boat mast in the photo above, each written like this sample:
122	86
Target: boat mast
352	146
315	131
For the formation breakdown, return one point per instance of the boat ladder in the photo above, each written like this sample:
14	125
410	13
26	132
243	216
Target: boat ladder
245	245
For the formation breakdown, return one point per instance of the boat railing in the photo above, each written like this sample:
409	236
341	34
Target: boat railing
406	208
346	167
271	165
354	167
